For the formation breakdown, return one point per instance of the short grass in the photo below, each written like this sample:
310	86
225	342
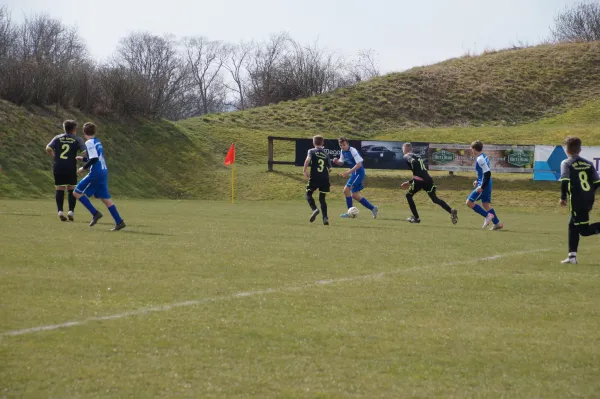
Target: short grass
362	308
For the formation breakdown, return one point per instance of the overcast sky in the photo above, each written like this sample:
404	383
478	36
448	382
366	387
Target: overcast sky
403	33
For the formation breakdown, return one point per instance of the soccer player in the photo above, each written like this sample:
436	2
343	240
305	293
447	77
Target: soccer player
96	181
64	148
580	180
356	175
483	188
318	179
421	180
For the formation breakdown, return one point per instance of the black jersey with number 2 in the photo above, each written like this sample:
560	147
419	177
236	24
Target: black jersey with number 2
583	178
65	147
320	164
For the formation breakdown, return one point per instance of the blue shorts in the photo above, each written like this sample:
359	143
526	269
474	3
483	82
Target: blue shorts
96	187
484	196
355	182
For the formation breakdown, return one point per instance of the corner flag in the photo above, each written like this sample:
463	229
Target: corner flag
230	160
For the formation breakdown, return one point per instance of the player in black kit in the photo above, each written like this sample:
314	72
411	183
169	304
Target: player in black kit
579	180
421	180
64	149
318	179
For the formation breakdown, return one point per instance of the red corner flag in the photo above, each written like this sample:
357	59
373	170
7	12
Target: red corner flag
230	158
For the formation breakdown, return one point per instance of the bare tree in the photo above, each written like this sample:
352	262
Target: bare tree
263	69
153	64
205	60
581	23
364	67
238	59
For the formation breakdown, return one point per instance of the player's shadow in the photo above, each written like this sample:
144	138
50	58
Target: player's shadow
146	233
20	214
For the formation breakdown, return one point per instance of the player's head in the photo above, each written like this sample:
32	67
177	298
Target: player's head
573	145
477	147
407	148
89	130
70	126
344	143
318	141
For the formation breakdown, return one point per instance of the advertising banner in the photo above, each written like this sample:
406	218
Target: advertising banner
503	158
331	147
388	154
549	157
376	154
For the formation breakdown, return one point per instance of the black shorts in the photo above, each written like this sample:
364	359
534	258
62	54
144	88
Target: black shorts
322	185
65	179
418	185
580	216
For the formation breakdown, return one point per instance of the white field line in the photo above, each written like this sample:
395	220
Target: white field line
164	308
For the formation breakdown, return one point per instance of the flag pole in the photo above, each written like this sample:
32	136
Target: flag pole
232	182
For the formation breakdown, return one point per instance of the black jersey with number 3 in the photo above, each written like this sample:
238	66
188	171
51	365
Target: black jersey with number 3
583	178
320	164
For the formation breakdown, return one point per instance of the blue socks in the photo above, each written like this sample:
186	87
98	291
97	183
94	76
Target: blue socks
366	204
477	208
86	202
349	202
115	214
113	209
495	220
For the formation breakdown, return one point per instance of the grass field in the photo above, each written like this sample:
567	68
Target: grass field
206	299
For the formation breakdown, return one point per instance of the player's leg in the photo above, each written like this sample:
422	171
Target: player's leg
103	194
412	190
311	203
573	242
432	192
324	189
72	200
60	200
357	187
486	199
59	184
83	189
323	203
348	194
474	197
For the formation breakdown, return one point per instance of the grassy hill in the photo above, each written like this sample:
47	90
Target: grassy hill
528	96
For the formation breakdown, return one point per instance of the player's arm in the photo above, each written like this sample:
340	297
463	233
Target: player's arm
50	147
306	163
565	180
339	162
596	180
82	150
357	158
487	172
92	156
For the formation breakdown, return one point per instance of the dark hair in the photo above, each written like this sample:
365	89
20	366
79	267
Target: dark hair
477	145
89	129
69	125
342	139
573	144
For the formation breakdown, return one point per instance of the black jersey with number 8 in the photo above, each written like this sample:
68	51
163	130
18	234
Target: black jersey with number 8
583	178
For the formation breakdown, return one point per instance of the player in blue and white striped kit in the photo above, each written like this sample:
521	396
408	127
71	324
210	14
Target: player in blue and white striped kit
483	188
96	181
355	174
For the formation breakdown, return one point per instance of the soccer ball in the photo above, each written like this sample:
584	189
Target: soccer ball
353	212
